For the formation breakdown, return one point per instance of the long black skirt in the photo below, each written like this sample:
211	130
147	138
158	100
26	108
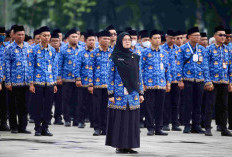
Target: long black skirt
123	128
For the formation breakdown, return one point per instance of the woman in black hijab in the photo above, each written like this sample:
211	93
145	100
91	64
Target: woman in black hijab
125	91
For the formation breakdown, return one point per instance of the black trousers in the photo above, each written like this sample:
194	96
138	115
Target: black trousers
100	102
154	105
192	95
42	106
82	101
69	101
181	108
58	103
18	108
171	106
230	109
29	103
3	105
220	93
217	111
204	101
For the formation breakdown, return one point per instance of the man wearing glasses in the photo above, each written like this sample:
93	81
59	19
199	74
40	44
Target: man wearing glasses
113	36
179	38
219	84
191	76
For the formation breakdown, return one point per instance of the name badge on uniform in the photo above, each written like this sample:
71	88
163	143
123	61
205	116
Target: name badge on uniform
125	91
195	58
224	65
161	66
49	68
200	58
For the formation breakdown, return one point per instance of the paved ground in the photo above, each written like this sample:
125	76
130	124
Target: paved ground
80	142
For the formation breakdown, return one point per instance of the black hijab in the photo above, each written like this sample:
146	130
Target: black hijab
127	64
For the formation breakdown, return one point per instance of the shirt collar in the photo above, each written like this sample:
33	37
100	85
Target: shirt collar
41	47
87	49
18	45
100	48
69	46
217	46
152	48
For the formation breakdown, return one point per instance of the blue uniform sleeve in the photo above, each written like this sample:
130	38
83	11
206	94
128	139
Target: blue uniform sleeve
206	59
78	62
180	64
55	66
111	78
8	65
91	67
32	57
60	63
141	90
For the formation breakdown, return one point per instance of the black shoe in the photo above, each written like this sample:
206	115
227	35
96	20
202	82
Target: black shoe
75	124
121	151
230	127
14	131
176	128
208	132
24	131
160	132
187	130
86	120
46	133
150	133
31	121
58	122
4	127
67	124
81	125
166	128
50	123
226	133
130	151
202	125
37	133
141	125
197	130
96	133
103	132
219	128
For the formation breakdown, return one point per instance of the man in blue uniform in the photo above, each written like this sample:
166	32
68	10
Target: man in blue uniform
17	80
98	80
3	104
171	107
220	77
192	73
81	73
228	43
157	81
43	78
66	76
55	43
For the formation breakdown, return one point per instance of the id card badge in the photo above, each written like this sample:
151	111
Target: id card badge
200	58
195	58
161	66
125	91
224	65
49	68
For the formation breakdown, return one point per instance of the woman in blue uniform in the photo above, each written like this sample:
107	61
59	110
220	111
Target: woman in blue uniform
125	89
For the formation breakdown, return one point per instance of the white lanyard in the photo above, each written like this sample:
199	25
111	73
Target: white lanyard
192	49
